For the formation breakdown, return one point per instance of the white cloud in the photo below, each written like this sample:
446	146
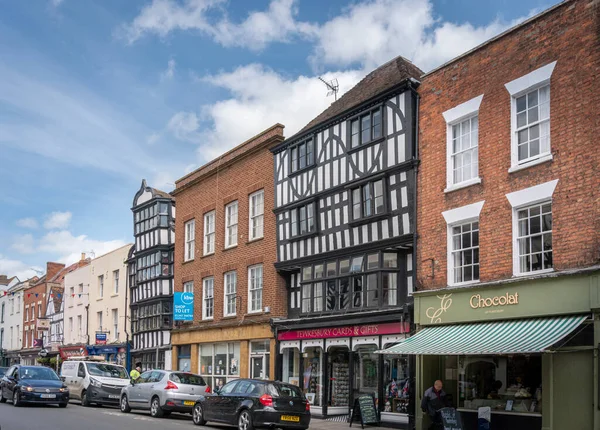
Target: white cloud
153	138
27	223
56	3
69	247
24	244
17	268
170	72
184	126
57	220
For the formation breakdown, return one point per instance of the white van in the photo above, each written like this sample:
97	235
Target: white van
92	380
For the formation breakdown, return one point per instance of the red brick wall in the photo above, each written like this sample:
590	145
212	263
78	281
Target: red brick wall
251	171
568	35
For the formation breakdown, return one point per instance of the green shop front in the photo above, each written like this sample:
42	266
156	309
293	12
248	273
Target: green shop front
527	349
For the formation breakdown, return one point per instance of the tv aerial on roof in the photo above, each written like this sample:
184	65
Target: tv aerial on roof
332	86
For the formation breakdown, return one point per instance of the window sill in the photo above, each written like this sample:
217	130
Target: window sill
541	160
533	273
254	313
462	185
207	319
373	218
79	304
210	254
258	239
229	317
300	171
230	247
365	145
184	262
100	298
303	236
114	295
464	284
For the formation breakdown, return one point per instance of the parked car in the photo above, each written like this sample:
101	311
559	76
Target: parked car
33	384
92	380
163	392
250	403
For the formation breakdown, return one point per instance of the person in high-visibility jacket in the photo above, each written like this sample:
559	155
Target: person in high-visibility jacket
135	373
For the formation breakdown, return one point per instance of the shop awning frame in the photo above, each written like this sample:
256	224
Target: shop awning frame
523	336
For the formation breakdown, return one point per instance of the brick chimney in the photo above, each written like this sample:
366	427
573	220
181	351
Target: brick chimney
3	280
82	256
52	269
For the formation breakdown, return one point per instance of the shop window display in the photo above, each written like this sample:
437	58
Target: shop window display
291	366
339	371
219	363
366	371
510	384
397	383
312	384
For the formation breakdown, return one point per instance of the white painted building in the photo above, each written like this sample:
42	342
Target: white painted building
76	302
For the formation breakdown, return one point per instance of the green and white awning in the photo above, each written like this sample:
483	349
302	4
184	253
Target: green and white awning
525	336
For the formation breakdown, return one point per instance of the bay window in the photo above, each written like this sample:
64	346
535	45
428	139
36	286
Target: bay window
368	200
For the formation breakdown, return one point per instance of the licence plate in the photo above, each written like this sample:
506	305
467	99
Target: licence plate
292	418
48	396
113	396
188	403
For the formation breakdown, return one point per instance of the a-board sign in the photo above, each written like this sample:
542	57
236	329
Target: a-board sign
451	419
364	411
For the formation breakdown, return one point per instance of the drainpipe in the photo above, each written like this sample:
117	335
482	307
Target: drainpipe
87	323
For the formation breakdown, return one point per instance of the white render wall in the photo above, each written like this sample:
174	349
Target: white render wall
13	317
75	306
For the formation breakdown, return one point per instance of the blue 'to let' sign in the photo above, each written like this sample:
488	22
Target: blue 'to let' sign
183	307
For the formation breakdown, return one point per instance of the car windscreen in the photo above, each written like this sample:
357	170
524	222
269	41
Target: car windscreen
37	373
187	378
107	370
286	391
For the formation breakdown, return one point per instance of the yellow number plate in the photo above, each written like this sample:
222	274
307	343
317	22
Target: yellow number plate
290	418
188	403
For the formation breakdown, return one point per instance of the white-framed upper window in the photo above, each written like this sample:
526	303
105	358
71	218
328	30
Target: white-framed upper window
256	212
188	287
190	239
115	282
208	298
530	118
532	229
101	286
209	232
231	224
230	301
255	288
463	243
462	144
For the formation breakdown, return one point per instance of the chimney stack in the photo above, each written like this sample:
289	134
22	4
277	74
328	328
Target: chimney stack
82	256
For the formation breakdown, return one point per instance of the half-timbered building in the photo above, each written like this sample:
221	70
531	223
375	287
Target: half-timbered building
150	277
345	209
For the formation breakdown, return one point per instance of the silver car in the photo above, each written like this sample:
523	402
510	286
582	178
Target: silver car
163	392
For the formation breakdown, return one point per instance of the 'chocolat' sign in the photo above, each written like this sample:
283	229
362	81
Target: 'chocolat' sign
477	301
347	331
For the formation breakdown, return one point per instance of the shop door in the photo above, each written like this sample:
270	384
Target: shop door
258	366
573	390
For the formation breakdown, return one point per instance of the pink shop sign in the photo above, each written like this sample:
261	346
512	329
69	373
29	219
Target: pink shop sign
347	331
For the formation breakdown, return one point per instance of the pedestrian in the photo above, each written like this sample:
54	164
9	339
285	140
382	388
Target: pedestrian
135	373
433	400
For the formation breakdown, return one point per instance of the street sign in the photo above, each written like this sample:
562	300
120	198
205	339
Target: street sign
101	338
42	324
38	343
43	353
183	306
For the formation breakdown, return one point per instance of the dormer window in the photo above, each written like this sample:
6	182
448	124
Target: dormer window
366	128
302	155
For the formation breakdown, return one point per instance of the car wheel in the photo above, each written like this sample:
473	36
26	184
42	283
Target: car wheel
85	401
2	398
245	420
16	400
125	408
62	405
198	415
155	409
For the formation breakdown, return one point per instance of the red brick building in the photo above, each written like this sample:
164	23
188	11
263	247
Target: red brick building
225	251
511	231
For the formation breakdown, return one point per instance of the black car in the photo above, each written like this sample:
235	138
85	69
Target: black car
33	384
250	403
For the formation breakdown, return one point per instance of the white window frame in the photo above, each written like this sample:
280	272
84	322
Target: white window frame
209	233
79	327
256	212
99	320
208	286
231	225
454	116
253	288
115	281
115	322
188	287
454	217
189	229
100	286
521	199
534	80
228	293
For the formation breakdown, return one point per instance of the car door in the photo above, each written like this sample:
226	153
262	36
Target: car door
148	389
140	389
12	381
77	381
216	404
5	383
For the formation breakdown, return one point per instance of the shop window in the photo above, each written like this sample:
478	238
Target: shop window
219	363
366	371
312	380
184	358
339	370
507	384
260	359
291	366
396	383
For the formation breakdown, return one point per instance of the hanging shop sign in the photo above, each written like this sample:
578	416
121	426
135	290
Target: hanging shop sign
347	331
42	324
72	351
101	338
183	306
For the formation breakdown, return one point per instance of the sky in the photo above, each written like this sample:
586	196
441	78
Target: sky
96	96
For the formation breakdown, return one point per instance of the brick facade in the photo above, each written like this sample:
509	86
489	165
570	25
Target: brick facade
234	176
567	34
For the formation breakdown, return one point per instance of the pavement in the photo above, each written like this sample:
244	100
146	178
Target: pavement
76	417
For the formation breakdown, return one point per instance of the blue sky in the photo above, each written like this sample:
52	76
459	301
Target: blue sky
95	96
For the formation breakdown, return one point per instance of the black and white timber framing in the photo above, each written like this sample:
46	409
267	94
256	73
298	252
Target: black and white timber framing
150	277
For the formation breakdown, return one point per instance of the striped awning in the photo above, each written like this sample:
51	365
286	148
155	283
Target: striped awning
524	336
